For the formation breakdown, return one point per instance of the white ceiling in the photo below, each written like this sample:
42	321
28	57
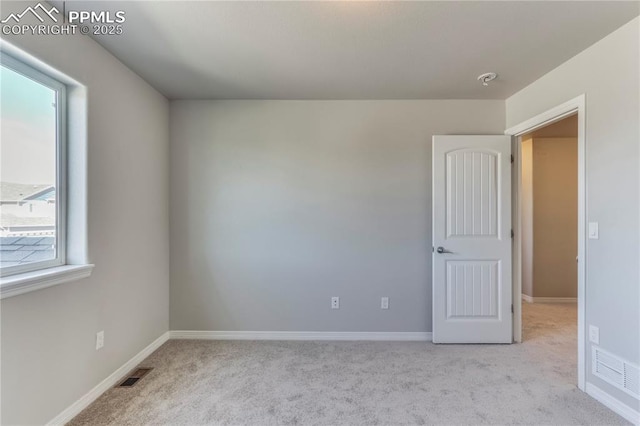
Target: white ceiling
353	50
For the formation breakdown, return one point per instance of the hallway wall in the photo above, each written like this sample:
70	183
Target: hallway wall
555	217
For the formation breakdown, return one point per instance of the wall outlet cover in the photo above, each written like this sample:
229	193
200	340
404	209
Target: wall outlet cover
99	340
384	303
335	302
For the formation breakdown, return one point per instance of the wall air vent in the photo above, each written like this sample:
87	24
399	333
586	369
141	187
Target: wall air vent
616	371
134	377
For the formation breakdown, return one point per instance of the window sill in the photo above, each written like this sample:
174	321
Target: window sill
15	285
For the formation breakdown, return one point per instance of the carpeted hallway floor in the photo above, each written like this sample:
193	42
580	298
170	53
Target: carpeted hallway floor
362	383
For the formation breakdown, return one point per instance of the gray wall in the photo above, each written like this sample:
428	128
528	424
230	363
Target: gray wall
48	336
608	74
278	205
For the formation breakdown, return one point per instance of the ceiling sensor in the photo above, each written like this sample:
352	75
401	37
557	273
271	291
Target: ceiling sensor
487	77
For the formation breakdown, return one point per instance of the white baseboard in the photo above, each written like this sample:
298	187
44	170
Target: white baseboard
75	408
301	335
530	299
613	404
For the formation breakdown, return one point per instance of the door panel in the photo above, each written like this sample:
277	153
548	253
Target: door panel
472	228
472	289
471	193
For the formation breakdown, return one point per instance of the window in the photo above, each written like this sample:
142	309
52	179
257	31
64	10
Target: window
32	169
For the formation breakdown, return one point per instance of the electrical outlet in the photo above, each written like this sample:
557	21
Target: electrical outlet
384	303
594	334
335	303
99	340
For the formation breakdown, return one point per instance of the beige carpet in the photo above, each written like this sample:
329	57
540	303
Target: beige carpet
362	383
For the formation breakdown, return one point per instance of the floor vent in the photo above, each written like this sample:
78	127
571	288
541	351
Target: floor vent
134	377
616	371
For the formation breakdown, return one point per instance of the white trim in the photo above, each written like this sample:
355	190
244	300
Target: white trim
576	105
548	117
26	282
613	404
75	408
516	201
530	299
302	335
516	254
77	250
25	69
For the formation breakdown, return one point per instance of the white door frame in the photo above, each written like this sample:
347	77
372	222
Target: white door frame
576	105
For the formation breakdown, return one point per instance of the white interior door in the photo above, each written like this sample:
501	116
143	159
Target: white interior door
472	239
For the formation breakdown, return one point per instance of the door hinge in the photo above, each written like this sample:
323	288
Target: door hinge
512	160
512	308
512	234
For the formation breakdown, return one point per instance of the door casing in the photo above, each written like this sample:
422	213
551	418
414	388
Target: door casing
571	107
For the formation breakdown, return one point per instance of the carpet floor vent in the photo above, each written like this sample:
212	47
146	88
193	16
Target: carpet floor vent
134	377
616	371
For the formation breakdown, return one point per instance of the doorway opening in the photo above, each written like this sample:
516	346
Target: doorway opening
549	223
549	233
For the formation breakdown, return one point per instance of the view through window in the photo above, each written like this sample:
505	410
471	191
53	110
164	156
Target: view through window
29	169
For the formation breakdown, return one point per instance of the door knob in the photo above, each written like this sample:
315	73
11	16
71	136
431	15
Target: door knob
443	250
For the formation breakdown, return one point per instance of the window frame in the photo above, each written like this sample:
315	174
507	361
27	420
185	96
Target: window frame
60	89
